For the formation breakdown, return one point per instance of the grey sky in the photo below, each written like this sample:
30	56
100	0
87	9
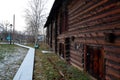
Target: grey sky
17	7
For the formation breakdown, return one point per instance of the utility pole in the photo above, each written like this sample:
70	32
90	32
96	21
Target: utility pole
10	34
13	28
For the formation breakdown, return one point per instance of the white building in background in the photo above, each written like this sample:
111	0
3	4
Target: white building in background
41	37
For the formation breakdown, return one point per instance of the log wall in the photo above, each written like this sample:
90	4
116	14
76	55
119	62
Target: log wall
90	21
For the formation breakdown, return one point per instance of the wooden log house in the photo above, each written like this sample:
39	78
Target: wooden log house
86	33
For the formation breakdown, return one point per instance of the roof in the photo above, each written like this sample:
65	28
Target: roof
54	8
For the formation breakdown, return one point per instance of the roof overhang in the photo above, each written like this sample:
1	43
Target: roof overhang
54	9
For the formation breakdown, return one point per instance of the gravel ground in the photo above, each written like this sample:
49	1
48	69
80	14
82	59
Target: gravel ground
11	62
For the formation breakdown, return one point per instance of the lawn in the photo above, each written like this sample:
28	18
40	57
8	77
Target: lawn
11	57
51	67
5	48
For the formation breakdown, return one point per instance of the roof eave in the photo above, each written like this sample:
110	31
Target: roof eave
54	8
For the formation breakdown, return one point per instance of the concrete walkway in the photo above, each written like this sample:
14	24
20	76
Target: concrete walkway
25	72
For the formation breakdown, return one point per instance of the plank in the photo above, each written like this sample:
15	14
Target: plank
25	72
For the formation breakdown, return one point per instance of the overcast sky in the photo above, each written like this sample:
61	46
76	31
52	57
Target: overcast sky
17	7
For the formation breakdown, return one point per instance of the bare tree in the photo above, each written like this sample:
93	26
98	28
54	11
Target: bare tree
5	24
4	29
35	16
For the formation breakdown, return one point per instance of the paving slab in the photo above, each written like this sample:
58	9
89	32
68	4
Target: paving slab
46	51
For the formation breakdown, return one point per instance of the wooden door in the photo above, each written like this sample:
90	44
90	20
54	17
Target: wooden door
67	49
95	59
95	62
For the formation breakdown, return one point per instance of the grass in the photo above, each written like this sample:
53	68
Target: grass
11	57
5	48
51	67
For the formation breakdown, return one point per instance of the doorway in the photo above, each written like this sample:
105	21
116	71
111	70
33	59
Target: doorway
95	62
67	49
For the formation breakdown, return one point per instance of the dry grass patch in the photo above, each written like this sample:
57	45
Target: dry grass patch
51	67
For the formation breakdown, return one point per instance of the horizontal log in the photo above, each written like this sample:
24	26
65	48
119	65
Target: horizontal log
113	12
77	59
113	54
113	65
88	40
98	11
76	62
77	34
98	28
72	4
95	34
76	6
78	67
72	48
112	49
72	33
96	42
89	15
75	11
113	58
103	28
73	52
113	73
91	8
104	20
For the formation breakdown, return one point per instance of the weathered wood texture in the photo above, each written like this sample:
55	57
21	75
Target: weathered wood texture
90	22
